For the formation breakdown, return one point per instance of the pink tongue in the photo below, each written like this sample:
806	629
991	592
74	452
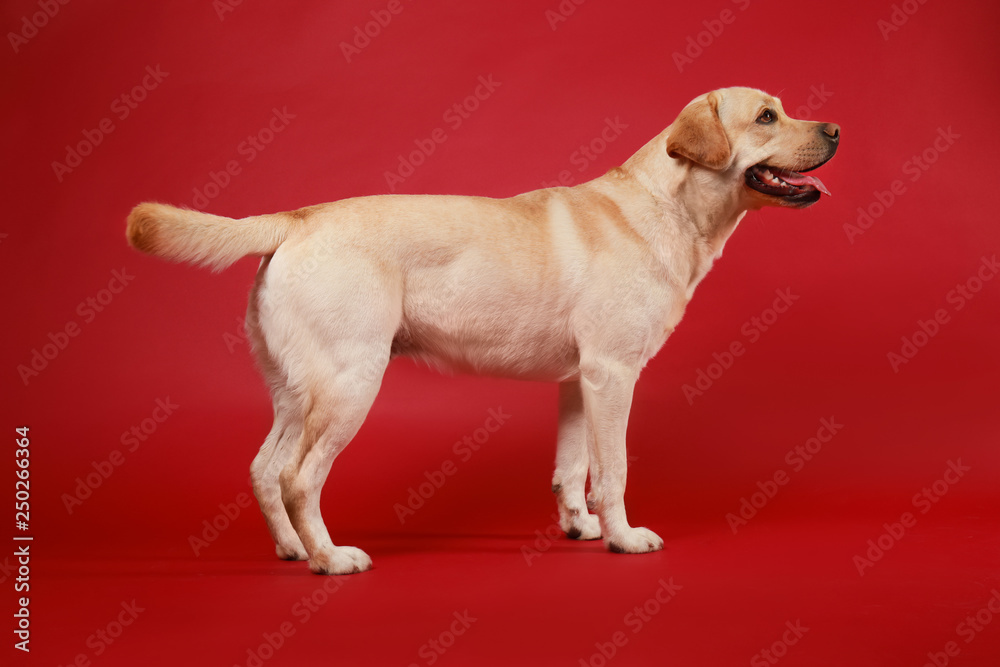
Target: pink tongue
795	178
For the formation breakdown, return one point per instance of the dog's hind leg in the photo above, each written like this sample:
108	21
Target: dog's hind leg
572	461
330	333
274	455
336	407
280	444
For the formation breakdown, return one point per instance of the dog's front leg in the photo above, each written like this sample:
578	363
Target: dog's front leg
607	386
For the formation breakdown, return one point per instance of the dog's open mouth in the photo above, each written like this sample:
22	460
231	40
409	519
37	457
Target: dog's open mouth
791	186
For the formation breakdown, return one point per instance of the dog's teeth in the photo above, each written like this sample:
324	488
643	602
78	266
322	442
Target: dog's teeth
770	178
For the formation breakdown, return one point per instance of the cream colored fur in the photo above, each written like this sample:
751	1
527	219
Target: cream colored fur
580	286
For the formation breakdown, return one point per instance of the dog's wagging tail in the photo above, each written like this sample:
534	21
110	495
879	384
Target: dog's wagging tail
580	286
183	235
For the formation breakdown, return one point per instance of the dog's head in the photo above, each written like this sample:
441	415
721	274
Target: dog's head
744	137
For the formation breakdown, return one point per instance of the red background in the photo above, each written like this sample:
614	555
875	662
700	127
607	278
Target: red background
168	335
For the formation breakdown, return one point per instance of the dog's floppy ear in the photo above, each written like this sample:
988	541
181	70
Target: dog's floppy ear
697	134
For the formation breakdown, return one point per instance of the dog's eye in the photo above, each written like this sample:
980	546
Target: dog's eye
766	117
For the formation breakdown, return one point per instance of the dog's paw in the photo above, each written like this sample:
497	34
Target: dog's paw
635	541
340	560
291	553
584	527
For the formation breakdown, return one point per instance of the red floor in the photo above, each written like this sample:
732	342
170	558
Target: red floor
478	574
709	599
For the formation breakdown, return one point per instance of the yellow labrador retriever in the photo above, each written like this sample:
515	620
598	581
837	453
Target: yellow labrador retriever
580	286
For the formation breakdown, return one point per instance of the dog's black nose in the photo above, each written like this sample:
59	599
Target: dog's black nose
832	131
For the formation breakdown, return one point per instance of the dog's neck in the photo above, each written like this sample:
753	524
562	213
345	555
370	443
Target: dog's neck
690	196
689	192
